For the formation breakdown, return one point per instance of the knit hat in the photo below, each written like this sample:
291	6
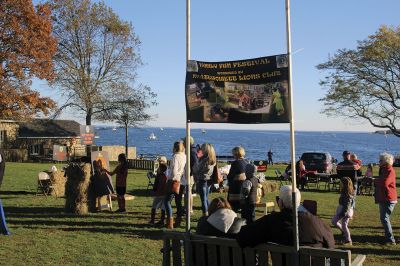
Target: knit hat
250	170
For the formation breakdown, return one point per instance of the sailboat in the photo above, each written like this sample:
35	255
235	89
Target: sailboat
152	136
203	131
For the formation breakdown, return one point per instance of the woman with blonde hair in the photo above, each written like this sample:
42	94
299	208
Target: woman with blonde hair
236	176
202	172
222	222
177	170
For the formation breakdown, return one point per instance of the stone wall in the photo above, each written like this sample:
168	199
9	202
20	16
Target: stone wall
114	151
11	129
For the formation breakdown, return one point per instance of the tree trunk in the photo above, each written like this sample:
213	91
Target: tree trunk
89	122
126	140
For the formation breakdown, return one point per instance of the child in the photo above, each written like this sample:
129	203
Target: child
122	173
249	194
369	173
344	211
101	182
159	195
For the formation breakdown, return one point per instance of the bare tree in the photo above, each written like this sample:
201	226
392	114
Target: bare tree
364	83
129	108
97	52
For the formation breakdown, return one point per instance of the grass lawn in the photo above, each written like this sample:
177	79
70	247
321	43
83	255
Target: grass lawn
42	234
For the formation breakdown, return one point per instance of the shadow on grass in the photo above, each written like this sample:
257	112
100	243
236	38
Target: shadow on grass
376	251
17	193
54	218
141	192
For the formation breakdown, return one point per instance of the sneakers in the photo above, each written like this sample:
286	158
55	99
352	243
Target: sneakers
390	243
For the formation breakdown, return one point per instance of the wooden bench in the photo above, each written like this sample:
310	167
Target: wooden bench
266	205
142	164
207	250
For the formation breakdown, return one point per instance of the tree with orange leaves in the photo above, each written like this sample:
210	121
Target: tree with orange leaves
26	50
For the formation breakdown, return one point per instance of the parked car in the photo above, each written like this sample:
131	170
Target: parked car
321	162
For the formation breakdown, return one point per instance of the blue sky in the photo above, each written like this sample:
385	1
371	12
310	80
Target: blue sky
226	30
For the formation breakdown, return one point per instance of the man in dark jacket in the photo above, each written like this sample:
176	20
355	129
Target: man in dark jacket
277	227
3	226
348	168
2	166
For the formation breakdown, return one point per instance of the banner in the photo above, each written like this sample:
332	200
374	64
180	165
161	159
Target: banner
244	92
59	153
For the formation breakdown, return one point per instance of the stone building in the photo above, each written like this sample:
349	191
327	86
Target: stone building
34	140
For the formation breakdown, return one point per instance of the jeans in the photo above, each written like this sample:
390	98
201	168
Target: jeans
178	201
167	203
385	210
203	189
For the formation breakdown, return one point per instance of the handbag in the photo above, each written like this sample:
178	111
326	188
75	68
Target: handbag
216	177
173	186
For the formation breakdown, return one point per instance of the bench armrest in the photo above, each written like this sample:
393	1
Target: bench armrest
358	261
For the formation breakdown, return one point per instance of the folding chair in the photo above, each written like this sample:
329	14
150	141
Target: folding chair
150	184
44	184
282	179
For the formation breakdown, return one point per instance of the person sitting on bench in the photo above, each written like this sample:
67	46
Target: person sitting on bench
222	220
277	227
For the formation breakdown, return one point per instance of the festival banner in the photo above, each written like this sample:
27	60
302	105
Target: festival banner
244	92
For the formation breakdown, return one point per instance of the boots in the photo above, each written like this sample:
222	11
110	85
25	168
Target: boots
162	218
170	223
153	216
121	204
178	221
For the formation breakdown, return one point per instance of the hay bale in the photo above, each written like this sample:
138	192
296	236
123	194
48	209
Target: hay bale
77	188
269	186
58	183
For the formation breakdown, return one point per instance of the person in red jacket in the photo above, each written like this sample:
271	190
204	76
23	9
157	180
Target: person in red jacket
386	194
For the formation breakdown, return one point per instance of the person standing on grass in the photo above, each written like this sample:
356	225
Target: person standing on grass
3	226
348	168
386	194
159	190
269	156
121	172
177	170
344	211
236	176
193	160
202	172
249	194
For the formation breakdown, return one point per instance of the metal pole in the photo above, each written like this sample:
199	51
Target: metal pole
292	138
189	185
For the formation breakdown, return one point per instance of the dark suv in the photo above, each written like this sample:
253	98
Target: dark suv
318	161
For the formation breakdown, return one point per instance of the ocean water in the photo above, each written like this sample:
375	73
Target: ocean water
367	146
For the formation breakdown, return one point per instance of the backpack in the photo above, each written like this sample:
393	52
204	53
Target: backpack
245	189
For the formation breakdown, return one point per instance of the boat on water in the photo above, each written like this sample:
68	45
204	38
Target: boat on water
152	136
114	128
203	131
161	128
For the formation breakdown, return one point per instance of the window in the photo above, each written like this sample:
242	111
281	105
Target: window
3	136
35	149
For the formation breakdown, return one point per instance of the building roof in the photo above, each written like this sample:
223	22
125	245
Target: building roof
48	128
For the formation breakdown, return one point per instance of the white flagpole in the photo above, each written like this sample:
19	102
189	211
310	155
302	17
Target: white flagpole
292	139
189	185
188	188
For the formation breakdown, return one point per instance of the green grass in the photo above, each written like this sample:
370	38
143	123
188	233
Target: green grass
42	234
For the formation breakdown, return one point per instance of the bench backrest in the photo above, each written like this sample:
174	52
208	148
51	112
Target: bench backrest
207	250
140	164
